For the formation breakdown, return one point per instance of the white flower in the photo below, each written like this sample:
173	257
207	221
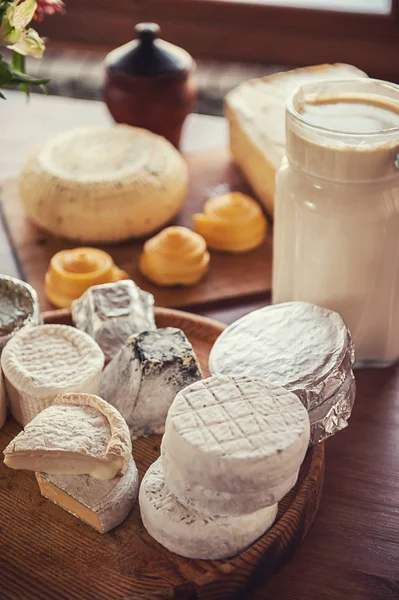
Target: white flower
29	44
16	18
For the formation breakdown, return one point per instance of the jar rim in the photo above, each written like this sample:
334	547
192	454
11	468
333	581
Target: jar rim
369	135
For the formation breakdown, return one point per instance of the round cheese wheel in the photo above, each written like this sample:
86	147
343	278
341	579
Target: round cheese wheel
103	184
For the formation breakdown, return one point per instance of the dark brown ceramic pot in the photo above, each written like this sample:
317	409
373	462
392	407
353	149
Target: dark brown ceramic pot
149	83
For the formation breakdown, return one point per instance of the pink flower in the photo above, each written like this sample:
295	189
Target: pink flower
48	7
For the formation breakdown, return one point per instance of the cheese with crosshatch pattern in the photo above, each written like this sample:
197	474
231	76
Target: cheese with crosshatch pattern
233	445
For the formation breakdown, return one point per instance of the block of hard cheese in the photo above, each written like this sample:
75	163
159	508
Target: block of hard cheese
255	111
101	504
80	434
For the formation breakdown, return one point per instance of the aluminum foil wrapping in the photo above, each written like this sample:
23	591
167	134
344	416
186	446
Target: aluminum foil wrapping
112	312
19	307
333	414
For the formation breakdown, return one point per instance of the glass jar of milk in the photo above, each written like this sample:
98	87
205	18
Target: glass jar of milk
336	222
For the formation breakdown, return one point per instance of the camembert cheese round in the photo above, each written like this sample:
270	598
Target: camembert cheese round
233	445
193	535
41	362
103	184
79	434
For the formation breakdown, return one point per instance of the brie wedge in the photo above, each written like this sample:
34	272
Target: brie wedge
101	504
255	111
233	445
41	362
146	374
79	434
193	535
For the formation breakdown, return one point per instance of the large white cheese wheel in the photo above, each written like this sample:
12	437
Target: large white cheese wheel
191	534
256	114
101	504
143	379
103	184
41	362
3	403
79	434
236	442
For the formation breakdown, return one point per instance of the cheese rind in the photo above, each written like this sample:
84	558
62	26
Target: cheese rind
112	312
191	534
3	403
255	111
236	436
79	434
103	184
146	374
101	504
41	362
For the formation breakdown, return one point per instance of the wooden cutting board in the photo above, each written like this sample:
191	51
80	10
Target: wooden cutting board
47	554
230	276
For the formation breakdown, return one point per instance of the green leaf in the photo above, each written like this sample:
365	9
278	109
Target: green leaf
2	96
18	62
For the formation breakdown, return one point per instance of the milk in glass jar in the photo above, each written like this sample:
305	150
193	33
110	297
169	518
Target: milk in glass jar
336	223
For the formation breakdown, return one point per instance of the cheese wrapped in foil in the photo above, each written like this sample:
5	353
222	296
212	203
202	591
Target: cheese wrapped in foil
19	307
112	312
302	347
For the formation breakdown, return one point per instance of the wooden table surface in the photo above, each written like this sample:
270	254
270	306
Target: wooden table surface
352	549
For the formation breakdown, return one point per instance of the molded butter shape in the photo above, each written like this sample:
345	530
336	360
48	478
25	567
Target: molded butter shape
101	504
255	111
103	184
79	434
232	222
72	272
175	256
41	362
192	534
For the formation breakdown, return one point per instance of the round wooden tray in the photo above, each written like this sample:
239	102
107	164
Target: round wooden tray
46	553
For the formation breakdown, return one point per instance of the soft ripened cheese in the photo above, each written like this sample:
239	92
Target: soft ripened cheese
101	504
41	362
146	374
3	403
103	184
19	307
233	445
79	434
302	347
112	312
193	535
256	114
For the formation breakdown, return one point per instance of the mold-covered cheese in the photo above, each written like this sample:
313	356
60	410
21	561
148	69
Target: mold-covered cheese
146	374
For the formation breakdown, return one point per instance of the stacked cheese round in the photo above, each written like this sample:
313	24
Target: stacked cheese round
41	362
232	449
103	184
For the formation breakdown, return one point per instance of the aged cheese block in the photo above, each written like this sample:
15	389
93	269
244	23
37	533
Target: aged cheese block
146	374
110	313
256	114
103	184
296	345
41	362
3	403
19	307
79	434
191	534
101	504
233	444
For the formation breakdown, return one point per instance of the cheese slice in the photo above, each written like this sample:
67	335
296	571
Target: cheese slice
193	535
3	403
41	362
239	438
145	376
103	184
255	111
112	312
101	504
79	434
